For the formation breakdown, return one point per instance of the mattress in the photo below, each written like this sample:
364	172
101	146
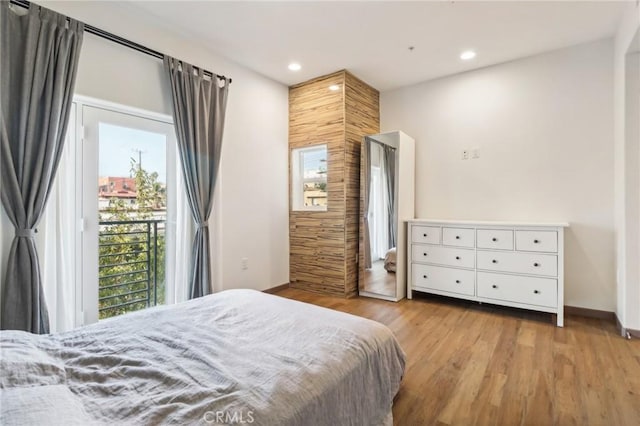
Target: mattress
235	357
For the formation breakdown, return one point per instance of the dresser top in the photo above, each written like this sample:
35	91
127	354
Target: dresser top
491	223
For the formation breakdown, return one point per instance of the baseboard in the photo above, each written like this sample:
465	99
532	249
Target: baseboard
276	288
590	313
627	333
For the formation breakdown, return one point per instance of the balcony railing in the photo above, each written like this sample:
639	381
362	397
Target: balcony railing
131	265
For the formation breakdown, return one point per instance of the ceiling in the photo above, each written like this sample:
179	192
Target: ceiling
372	39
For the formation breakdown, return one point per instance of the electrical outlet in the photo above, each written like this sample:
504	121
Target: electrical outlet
244	263
465	154
475	153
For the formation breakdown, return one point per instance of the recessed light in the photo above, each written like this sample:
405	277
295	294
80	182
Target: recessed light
467	54
334	87
294	66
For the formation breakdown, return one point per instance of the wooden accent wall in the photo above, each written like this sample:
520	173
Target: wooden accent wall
324	244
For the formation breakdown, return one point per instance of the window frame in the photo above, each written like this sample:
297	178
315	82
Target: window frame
298	180
87	294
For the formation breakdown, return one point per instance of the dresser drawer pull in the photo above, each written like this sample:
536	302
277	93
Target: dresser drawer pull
424	254
424	276
536	264
424	235
457	237
457	257
536	292
536	241
494	286
457	281
494	239
494	261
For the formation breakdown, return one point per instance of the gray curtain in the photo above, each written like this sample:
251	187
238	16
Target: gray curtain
38	63
366	192
199	105
389	158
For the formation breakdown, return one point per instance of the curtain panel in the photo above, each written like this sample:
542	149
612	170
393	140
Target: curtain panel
199	105
39	55
389	158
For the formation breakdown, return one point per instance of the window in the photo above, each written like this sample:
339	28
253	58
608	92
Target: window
309	178
127	193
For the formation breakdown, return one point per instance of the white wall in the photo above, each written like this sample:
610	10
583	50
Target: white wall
632	190
544	128
251	218
627	213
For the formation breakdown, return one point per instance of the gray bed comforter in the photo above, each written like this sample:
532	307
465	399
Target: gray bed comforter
236	357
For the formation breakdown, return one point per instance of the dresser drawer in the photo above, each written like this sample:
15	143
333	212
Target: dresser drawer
458	237
546	241
524	263
444	279
511	288
447	256
498	239
425	234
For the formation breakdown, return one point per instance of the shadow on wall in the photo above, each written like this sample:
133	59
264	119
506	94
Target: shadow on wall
584	266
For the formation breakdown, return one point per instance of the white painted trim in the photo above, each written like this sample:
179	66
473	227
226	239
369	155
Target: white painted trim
298	180
82	100
473	224
87	290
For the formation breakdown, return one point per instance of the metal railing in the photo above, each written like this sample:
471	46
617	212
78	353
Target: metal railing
131	265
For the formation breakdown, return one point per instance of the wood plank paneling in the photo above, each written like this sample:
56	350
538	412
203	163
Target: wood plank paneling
362	117
324	245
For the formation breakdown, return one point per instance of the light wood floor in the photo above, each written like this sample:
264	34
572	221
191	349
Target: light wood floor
377	280
477	364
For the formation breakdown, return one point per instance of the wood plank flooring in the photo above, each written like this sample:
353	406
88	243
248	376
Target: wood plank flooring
377	280
470	364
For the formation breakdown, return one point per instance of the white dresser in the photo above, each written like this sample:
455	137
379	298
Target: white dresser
512	264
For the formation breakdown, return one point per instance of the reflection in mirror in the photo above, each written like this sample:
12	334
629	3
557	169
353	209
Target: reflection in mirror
309	178
380	218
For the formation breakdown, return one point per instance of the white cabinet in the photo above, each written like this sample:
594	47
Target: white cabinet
518	262
445	279
520	289
439	255
458	237
537	241
497	239
425	234
512	264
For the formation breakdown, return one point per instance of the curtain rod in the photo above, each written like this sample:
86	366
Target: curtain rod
120	40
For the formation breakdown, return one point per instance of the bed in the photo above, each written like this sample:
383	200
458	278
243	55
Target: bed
235	357
390	260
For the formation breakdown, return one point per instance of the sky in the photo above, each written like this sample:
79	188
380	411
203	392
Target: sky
119	144
314	160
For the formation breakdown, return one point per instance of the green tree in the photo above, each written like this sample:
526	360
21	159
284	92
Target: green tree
132	248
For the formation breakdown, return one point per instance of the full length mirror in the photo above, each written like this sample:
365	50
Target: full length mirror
386	183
